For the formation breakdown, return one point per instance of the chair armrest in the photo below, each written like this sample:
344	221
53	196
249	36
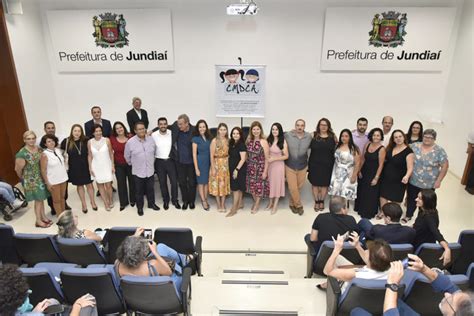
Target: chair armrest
186	280
332	296
309	243
198	245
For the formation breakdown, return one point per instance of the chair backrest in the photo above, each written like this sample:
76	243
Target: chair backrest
180	239
99	282
431	252
348	252
150	295
421	297
466	240
7	247
367	294
35	248
115	237
81	251
401	251
42	285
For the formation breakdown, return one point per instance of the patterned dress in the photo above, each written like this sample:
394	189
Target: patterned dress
341	176
35	189
219	185
255	166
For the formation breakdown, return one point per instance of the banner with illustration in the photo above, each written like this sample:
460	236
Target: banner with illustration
111	40
387	38
240	91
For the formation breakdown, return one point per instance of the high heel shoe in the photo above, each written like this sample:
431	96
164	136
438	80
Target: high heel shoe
95	208
205	205
85	211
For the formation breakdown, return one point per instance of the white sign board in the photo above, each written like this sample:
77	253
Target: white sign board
240	91
111	40
387	38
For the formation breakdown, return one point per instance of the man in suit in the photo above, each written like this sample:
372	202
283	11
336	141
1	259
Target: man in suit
392	232
96	112
137	114
182	154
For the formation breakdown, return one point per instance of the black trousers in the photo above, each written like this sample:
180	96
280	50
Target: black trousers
166	169
50	199
412	194
144	186
123	173
187	182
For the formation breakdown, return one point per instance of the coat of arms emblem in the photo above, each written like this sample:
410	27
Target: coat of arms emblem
109	30
389	30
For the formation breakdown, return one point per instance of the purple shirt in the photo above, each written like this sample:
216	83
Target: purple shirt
140	154
360	141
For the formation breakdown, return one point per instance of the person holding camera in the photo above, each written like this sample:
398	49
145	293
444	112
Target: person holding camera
139	256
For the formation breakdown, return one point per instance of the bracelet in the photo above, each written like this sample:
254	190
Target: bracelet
80	306
237	169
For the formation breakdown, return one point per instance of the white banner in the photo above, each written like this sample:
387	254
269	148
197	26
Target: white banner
386	38
240	91
111	40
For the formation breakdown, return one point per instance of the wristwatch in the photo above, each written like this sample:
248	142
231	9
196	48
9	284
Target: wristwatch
394	287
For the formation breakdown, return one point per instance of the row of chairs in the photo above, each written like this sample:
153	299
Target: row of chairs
67	282
461	253
31	249
416	291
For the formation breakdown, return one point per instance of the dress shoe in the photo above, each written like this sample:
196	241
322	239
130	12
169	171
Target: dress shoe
176	205
166	205
185	206
122	208
132	204
154	207
53	212
67	207
192	206
140	212
95	208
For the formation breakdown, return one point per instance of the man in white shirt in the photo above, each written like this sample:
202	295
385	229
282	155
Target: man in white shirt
165	166
387	124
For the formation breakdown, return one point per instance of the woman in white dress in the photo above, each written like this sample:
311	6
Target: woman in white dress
346	168
101	164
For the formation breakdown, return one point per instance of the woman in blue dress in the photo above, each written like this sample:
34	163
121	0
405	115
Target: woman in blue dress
201	157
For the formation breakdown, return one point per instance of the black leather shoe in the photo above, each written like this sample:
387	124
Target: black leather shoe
185	206
176	205
97	193
132	204
154	207
53	212
166	205
192	206
122	208
67	207
140	212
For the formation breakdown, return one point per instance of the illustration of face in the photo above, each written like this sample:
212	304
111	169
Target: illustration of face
232	78
251	78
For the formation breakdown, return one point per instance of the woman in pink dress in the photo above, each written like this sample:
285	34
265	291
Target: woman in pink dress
276	165
257	165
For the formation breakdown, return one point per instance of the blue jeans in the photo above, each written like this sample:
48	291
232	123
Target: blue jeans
6	191
180	259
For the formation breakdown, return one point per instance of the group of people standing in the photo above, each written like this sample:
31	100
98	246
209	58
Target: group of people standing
357	166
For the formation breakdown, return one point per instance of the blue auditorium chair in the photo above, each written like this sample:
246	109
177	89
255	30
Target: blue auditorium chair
35	248
114	237
470	275
8	253
466	257
431	252
401	251
81	251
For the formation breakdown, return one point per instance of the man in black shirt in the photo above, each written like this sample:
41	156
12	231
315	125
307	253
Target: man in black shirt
392	232
330	224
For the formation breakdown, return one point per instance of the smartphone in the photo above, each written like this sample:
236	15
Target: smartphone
405	262
147	233
54	309
346	236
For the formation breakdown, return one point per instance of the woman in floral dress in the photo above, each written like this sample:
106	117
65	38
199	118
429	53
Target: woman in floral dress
219	178
257	165
27	167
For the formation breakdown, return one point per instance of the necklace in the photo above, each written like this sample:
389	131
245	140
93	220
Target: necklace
79	150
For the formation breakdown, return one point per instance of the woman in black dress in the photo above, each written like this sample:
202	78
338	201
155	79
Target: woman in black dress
76	148
368	188
427	223
397	169
321	161
237	168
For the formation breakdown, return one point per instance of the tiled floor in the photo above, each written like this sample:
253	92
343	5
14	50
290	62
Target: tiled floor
283	231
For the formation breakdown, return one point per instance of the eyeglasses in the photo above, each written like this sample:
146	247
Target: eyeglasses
449	304
428	136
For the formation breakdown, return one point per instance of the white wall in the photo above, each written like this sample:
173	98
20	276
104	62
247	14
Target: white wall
286	36
458	106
